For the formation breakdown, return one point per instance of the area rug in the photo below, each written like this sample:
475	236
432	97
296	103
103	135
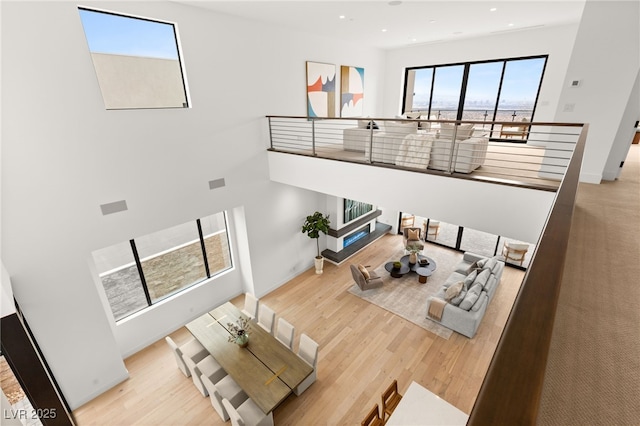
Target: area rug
406	297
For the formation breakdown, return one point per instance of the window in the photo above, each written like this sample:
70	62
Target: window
137	61
140	272
501	90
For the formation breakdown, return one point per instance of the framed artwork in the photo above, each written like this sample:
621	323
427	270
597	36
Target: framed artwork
351	91
354	209
321	89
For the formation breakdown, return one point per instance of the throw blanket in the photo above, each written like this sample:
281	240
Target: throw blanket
436	308
415	151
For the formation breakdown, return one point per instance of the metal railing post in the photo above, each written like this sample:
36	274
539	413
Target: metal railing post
313	137
270	134
370	141
453	145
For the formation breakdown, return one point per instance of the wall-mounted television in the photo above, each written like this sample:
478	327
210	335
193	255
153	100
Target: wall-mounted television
354	209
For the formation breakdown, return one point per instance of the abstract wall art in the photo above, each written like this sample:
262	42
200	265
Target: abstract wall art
321	89
351	91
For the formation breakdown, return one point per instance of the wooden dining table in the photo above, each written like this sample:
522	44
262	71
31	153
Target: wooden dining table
266	370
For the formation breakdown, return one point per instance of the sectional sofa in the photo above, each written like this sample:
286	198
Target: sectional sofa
463	312
404	143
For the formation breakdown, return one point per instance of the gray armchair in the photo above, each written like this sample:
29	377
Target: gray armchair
364	282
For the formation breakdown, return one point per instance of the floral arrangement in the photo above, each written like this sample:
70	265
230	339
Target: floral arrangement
239	330
414	247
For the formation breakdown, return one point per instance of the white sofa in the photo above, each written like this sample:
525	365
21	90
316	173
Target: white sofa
386	144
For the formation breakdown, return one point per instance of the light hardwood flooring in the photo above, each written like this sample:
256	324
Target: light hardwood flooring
362	349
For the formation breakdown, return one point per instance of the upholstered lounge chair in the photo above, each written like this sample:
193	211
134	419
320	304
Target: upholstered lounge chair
364	282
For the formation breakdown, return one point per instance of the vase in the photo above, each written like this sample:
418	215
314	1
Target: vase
243	340
319	261
413	258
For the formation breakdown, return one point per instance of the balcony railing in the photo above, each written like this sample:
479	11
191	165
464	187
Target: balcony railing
481	150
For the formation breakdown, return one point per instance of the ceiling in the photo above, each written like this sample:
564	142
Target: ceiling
384	25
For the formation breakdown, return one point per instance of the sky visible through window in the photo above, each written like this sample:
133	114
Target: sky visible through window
520	85
122	35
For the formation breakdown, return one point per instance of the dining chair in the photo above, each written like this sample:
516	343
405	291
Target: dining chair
285	332
247	414
207	367
250	306
192	350
390	400
373	418
226	388
266	318
308	352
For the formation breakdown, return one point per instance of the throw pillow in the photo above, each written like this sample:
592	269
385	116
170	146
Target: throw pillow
470	278
459	298
489	264
364	272
482	278
472	267
480	263
476	306
372	125
413	234
453	291
471	297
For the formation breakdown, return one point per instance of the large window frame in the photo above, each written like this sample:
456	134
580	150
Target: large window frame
409	92
136	282
139	73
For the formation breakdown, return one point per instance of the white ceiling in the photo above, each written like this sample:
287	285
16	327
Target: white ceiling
410	22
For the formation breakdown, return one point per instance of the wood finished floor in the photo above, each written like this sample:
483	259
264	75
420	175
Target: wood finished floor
362	349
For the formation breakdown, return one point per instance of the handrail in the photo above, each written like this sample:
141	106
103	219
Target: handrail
510	392
535	158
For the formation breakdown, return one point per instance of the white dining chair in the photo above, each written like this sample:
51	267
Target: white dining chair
247	414
285	332
207	367
226	388
266	318
192	350
250	306
308	352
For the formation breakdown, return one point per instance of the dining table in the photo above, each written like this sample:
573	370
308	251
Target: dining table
265	369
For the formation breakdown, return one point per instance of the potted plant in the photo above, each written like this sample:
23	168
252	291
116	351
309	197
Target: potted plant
414	248
313	226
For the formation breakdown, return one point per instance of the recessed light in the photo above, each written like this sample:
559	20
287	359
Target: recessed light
509	25
493	9
341	16
384	30
457	32
395	3
432	21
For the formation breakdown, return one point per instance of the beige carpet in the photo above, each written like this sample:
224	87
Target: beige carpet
593	370
406	297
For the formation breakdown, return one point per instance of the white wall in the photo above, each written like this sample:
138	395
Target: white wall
606	58
497	209
64	155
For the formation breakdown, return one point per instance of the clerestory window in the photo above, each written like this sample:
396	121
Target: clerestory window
140	272
136	60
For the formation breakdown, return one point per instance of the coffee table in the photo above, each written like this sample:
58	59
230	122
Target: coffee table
423	274
423	271
397	273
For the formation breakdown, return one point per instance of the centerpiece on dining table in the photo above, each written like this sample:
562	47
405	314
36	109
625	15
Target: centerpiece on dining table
239	332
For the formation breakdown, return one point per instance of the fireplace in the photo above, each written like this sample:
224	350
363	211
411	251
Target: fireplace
355	236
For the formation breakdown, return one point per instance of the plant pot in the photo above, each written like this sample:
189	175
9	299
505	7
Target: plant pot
413	258
243	341
319	261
